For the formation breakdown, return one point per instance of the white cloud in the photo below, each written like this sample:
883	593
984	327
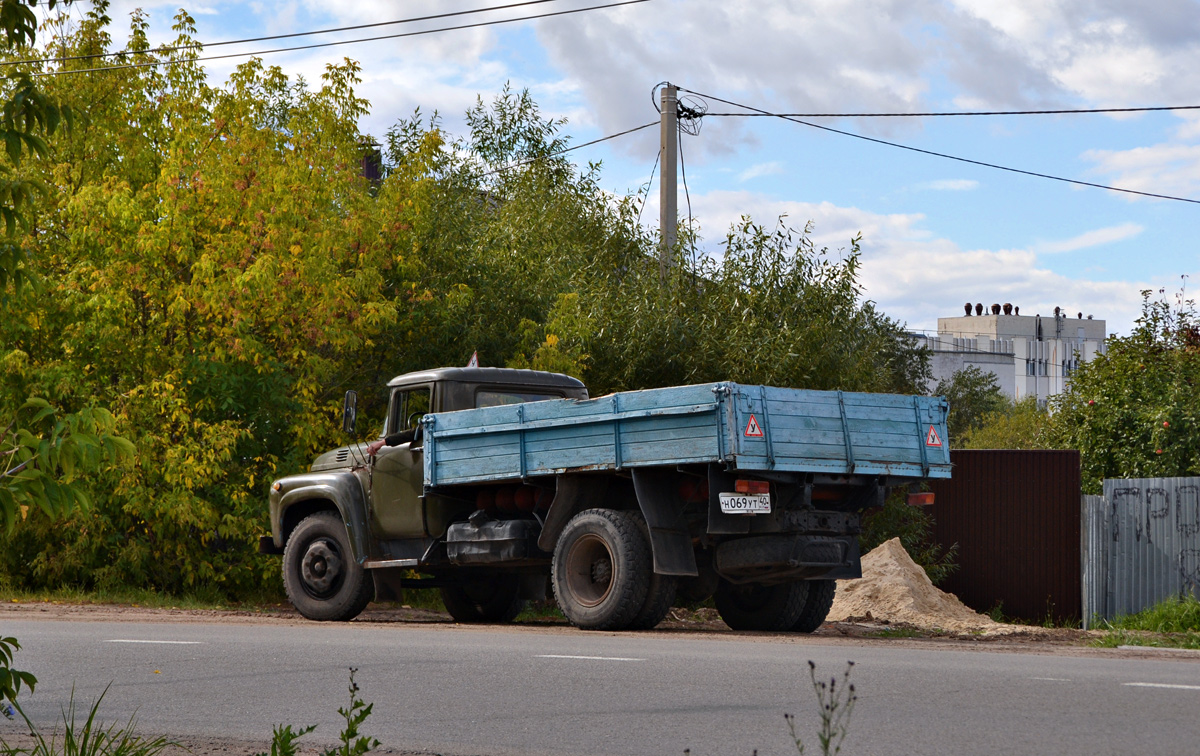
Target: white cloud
761	169
1168	168
950	185
791	55
1092	238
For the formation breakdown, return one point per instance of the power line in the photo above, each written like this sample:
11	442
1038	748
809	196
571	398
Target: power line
683	170
649	183
338	42
1072	111
761	112
556	153
200	45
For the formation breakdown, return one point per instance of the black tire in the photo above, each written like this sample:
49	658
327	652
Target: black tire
816	605
320	574
602	569
494	598
752	606
660	594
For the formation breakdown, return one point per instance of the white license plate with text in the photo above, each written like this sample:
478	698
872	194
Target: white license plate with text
735	503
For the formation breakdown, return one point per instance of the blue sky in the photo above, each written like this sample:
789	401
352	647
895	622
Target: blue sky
936	233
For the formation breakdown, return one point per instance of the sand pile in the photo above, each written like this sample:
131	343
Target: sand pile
896	590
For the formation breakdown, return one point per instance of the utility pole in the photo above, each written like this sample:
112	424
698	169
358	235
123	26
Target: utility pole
667	189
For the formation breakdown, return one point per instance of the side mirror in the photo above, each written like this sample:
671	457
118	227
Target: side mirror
349	411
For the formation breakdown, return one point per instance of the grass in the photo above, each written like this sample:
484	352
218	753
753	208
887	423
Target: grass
135	597
1049	620
1173	623
898	632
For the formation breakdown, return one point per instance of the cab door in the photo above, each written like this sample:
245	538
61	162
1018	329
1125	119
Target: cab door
397	477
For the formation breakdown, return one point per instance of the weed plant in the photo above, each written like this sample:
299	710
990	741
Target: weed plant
835	706
89	738
283	741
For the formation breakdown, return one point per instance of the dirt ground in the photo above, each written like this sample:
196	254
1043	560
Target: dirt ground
698	623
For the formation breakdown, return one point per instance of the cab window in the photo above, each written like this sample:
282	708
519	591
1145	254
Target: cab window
496	397
408	407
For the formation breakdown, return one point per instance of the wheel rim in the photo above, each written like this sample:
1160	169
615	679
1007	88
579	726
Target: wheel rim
321	569
590	570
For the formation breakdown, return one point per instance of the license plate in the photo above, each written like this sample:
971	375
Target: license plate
735	503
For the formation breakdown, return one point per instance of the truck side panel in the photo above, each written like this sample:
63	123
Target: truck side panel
630	429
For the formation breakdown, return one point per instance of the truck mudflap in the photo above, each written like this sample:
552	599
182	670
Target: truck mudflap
787	557
483	540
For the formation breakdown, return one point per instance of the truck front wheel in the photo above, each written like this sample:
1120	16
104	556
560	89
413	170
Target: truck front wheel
602	569
495	598
321	577
753	606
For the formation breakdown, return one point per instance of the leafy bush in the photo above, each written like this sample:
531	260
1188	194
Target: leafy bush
11	679
914	527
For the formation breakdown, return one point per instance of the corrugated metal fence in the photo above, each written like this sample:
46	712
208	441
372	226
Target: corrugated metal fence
1140	544
1015	518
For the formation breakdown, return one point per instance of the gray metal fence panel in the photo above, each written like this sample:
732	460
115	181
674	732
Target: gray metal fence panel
1141	544
1094	533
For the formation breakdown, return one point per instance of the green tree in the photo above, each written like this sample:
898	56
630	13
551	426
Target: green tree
769	309
1134	411
973	394
44	451
1022	425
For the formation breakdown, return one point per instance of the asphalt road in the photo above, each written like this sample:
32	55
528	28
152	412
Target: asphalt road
456	690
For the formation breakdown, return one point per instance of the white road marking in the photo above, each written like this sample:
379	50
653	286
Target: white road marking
1162	685
590	658
1051	679
171	643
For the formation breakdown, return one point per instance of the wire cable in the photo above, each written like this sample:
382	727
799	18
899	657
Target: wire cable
175	48
649	184
479	24
1073	111
686	194
556	153
944	155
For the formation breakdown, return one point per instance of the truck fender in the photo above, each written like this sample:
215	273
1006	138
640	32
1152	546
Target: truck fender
572	495
340	488
670	540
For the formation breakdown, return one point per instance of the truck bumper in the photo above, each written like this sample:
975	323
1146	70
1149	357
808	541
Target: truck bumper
788	557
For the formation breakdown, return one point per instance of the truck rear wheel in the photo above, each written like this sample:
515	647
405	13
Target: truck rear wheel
817	604
602	568
495	598
321	577
660	593
753	606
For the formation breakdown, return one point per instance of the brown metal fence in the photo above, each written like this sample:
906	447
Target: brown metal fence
1015	516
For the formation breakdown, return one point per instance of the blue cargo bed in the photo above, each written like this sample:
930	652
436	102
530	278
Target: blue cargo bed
743	427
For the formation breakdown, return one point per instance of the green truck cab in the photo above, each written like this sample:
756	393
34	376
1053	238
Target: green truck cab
352	528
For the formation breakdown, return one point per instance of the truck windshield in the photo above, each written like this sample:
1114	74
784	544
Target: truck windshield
494	398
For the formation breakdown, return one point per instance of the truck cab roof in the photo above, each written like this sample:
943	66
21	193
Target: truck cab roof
488	375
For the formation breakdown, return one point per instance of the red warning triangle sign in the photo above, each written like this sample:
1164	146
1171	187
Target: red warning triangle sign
932	438
753	429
